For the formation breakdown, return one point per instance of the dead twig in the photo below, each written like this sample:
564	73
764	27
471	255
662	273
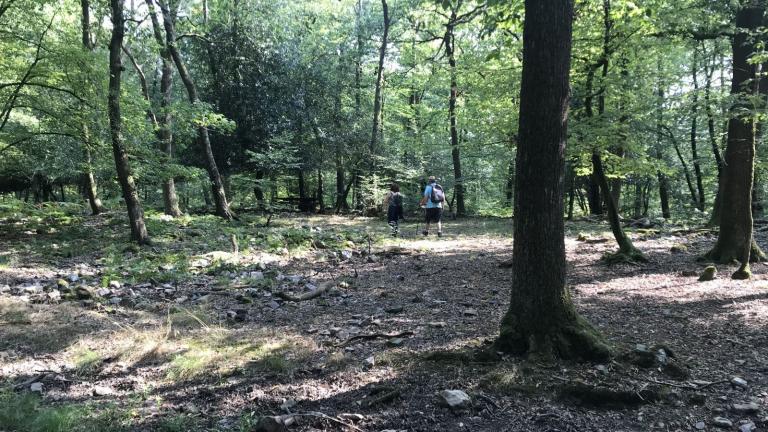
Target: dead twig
374	336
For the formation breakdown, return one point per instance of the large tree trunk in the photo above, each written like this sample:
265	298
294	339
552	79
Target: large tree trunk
450	41
163	127
735	241
90	180
700	201
135	212
376	132
217	185
541	319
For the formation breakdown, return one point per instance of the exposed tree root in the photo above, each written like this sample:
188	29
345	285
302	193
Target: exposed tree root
625	256
603	397
575	340
721	255
374	336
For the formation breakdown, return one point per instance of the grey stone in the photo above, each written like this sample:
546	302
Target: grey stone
116	300
369	362
438	324
73	277
394	309
274	305
36	387
469	312
747	426
722	422
352	417
700	425
739	382
288	405
454	399
103	391
103	292
54	295
115	284
746	408
395	342
5	288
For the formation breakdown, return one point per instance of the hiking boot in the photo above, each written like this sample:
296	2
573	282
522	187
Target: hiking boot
425	232
439	233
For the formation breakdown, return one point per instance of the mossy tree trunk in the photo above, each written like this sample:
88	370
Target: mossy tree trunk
124	175
735	241
541	319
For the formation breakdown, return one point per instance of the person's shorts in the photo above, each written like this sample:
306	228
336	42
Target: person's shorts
434	215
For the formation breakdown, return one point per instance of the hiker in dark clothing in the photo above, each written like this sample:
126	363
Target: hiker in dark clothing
394	204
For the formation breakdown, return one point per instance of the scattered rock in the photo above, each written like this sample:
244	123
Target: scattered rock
739	382
746	426
469	312
438	324
288	405
679	248
103	391
36	387
73	277
270	424
103	292
395	342
274	305
394	309
5	288
746	408
700	425
454	399
722	422
115	284
54	295
369	362
709	274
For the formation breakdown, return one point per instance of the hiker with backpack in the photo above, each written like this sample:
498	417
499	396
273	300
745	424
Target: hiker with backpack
433	200
394	204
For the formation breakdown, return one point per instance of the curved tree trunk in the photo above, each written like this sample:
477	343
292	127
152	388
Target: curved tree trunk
135	212
735	241
541	319
163	126
217	185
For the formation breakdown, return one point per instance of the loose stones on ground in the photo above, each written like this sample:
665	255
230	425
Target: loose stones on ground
454	399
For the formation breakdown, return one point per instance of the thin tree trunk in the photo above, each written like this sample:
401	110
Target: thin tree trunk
694	132
377	103
135	211
90	180
163	129
541	319
735	241
217	185
450	48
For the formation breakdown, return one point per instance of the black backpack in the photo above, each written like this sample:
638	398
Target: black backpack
438	194
397	199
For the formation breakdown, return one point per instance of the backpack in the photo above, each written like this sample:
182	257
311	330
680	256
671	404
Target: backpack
438	194
397	200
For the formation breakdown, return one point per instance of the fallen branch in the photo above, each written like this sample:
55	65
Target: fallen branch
306	296
29	381
374	336
270	423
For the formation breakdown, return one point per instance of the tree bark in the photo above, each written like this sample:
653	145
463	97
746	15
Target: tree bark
163	129
216	183
735	241
450	49
90	180
373	147
700	201
135	211
541	319
662	178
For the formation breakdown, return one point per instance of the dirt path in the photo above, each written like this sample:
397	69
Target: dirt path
219	348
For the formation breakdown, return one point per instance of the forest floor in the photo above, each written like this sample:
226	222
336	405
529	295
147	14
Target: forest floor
96	334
